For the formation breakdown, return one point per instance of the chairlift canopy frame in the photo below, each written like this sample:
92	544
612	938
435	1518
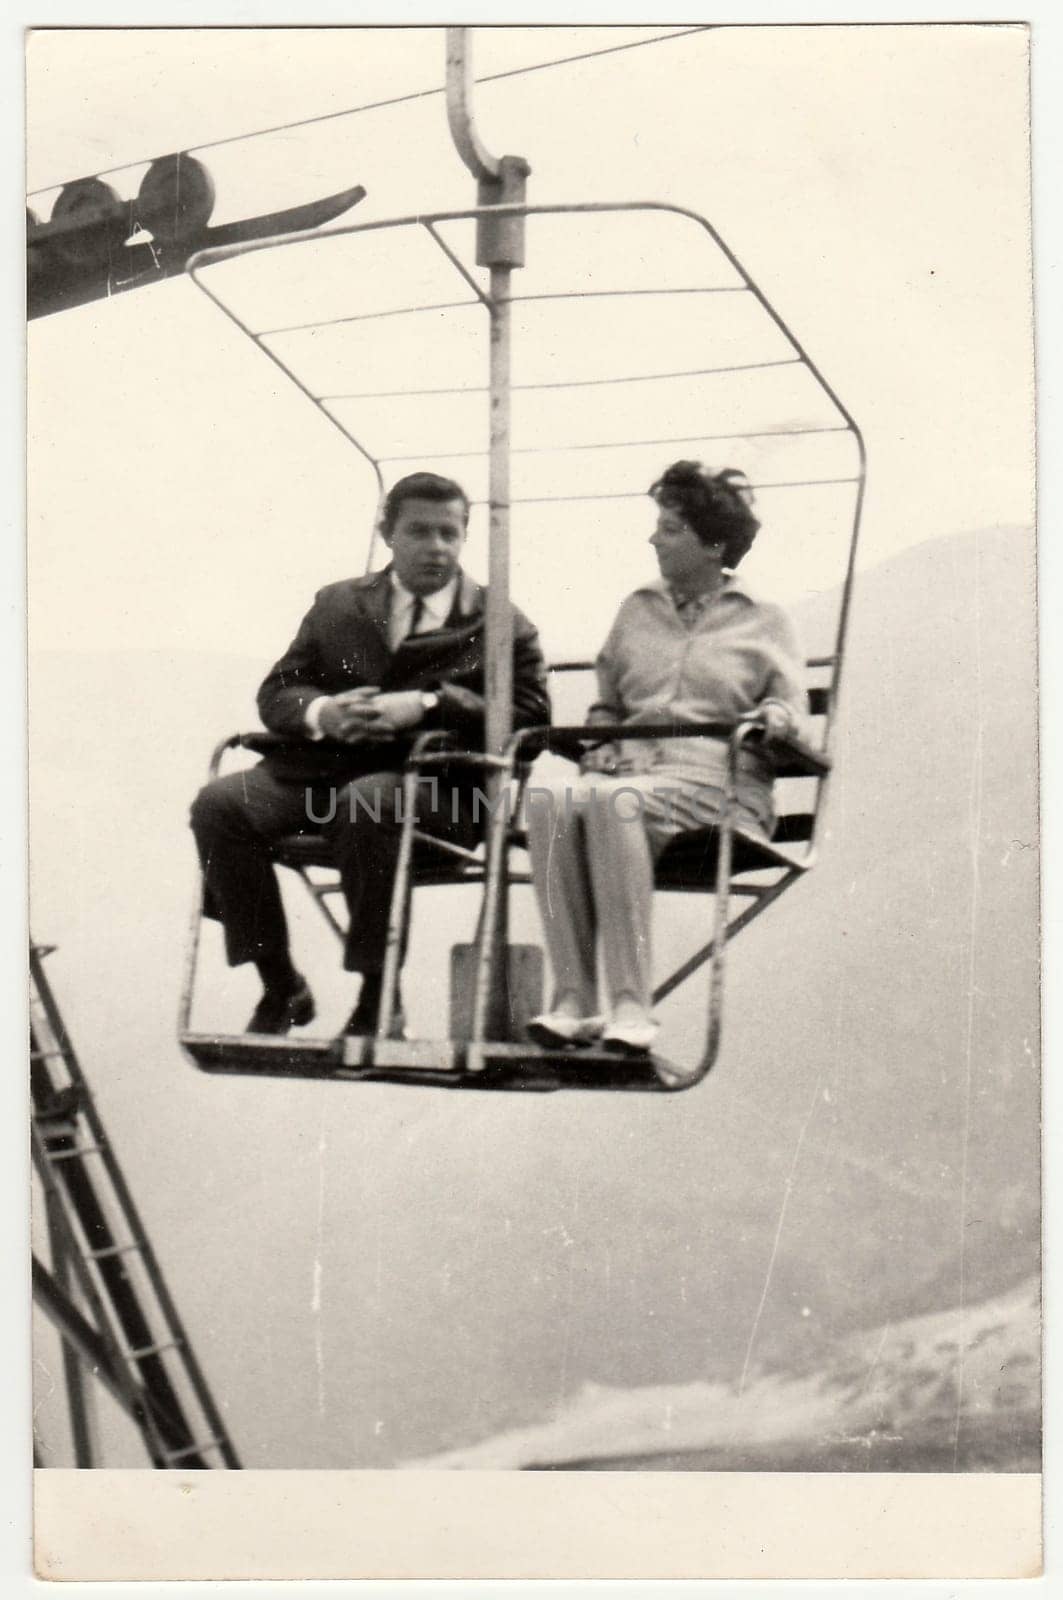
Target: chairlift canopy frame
330	402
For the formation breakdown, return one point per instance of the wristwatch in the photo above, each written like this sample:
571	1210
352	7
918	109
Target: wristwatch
429	701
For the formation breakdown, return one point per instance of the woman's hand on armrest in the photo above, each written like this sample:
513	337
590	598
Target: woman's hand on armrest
777	719
600	758
613	762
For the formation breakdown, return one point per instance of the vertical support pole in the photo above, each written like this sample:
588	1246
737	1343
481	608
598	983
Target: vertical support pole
81	1400
499	621
500	246
491	1016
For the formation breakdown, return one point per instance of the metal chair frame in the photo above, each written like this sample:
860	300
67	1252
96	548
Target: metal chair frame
481	1061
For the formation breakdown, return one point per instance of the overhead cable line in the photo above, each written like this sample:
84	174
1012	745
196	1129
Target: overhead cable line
402	99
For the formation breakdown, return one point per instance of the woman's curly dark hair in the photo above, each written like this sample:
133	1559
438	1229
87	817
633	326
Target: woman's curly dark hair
716	505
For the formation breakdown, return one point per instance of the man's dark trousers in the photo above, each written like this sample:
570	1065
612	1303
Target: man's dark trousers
237	819
343	643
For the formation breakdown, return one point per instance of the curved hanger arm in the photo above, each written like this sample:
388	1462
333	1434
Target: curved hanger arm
459	108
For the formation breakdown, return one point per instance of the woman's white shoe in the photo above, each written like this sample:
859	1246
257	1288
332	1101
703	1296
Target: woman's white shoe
552	1028
631	1038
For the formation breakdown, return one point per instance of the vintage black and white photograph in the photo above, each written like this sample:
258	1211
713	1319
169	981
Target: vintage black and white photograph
533	744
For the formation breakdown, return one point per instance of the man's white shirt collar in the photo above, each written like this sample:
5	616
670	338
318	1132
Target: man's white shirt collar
437	608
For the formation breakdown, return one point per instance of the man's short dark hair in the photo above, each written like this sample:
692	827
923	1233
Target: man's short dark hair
717	506
420	486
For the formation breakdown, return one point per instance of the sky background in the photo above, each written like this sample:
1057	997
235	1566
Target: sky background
886	222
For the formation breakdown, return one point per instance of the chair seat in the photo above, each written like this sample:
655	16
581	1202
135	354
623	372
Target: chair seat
303	850
431	865
688	864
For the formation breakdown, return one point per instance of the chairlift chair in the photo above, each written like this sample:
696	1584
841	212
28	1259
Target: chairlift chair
679	343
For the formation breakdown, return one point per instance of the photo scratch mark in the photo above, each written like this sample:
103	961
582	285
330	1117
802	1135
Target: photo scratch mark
977	775
787	1192
875	1358
316	1291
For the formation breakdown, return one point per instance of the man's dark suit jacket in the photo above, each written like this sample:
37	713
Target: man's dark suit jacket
342	643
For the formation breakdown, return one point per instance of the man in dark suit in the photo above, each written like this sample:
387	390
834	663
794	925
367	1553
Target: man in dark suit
376	661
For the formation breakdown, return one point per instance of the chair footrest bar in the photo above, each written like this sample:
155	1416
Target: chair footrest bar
483	1066
406	1055
574	1069
259	1053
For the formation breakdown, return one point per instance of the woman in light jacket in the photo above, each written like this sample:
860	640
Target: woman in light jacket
693	646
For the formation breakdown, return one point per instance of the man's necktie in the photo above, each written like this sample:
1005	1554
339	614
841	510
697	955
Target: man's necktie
416	613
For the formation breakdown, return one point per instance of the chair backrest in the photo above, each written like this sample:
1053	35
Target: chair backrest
797	796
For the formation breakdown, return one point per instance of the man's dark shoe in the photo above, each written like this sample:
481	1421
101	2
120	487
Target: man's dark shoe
277	1011
363	1019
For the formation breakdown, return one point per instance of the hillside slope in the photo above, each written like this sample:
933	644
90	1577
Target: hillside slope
428	1270
902	1398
